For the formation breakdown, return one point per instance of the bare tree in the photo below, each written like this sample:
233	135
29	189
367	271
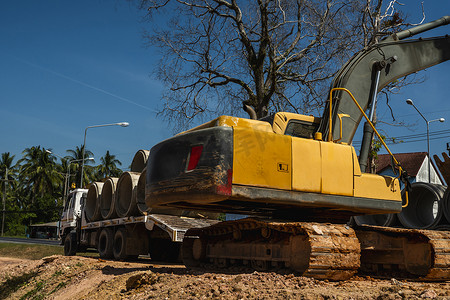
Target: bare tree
262	55
266	55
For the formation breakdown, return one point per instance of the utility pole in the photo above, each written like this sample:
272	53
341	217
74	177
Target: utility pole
4	200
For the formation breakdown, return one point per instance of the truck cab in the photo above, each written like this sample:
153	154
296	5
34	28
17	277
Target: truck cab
72	211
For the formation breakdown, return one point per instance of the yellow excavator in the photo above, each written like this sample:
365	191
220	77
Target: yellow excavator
300	180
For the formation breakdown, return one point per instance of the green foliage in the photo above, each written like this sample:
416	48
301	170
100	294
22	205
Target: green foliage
34	293
76	156
222	217
58	287
108	167
38	172
376	147
15	229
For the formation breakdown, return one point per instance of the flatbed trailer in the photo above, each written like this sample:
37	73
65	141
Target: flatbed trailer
159	235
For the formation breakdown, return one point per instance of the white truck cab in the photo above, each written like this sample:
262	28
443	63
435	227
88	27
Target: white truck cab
72	211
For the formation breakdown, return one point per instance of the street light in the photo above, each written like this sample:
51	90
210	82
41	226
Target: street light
410	102
123	124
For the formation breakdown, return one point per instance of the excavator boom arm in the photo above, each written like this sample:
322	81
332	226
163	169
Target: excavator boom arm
394	59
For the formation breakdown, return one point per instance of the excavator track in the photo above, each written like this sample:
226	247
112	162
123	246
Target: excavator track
424	254
323	251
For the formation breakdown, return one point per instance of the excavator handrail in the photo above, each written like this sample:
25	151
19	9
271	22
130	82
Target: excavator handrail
400	169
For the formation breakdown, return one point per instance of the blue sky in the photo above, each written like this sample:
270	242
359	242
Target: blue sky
66	65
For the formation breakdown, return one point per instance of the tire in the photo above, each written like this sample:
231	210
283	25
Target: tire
105	243
70	244
120	244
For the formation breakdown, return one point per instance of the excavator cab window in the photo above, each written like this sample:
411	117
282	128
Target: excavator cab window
301	129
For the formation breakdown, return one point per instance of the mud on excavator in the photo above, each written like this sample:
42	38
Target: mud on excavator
300	180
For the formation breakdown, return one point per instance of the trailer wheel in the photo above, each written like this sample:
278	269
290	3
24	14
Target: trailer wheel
105	243
70	244
120	244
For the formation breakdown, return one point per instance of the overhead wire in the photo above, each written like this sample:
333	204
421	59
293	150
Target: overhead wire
413	138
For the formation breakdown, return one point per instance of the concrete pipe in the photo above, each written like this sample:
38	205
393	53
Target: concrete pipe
107	202
126	194
388	220
140	196
425	209
92	208
139	161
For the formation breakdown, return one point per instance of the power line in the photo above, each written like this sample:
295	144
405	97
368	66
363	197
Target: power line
428	112
413	138
433	133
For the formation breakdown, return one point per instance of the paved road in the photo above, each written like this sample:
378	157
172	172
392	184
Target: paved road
28	241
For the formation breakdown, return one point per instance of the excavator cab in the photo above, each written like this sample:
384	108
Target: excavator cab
293	124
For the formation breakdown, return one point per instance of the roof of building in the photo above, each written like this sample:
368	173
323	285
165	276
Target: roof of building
411	162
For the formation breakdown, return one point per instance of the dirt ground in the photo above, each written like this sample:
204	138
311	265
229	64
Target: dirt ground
60	277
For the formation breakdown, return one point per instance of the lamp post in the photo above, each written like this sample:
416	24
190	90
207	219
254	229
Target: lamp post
123	124
410	102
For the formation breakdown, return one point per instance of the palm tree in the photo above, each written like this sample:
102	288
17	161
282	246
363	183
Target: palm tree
77	154
39	172
108	166
6	163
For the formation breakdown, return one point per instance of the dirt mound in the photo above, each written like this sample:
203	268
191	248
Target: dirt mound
59	277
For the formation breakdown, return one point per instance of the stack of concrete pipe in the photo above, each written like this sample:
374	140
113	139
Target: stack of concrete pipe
428	208
123	196
119	197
